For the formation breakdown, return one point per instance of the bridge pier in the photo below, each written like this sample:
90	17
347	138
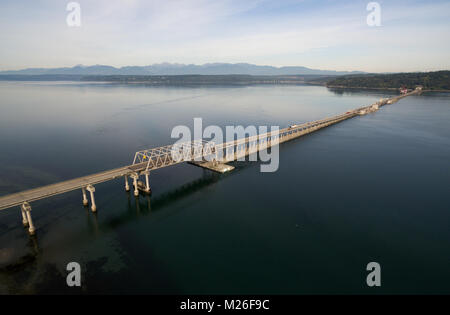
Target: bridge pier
85	200
163	156
127	186
91	189
147	184
135	177
216	157
24	216
27	209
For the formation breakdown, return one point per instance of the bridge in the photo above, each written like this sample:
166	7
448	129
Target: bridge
202	153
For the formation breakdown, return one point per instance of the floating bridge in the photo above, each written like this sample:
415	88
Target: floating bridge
202	153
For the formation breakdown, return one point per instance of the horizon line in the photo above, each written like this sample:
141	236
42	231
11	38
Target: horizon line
207	63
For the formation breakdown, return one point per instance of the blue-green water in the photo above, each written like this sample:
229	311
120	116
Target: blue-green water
373	188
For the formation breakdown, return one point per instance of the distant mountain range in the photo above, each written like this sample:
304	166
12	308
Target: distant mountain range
178	69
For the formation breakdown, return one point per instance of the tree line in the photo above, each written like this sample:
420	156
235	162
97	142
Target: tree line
438	80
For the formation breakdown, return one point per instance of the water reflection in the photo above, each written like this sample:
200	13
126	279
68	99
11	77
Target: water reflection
147	205
92	222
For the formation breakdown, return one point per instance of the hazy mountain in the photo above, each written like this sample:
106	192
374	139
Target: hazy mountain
178	69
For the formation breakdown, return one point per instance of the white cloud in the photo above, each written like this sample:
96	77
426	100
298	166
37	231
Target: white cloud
144	32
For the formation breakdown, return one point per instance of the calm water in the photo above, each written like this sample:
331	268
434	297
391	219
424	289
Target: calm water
373	188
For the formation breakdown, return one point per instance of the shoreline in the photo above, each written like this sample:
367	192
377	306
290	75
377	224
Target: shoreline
379	89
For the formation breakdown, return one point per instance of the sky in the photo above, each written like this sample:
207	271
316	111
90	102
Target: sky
319	34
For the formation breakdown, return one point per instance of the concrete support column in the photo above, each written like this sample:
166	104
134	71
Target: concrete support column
135	177
85	200
27	208
147	184
127	187
24	216
91	189
216	158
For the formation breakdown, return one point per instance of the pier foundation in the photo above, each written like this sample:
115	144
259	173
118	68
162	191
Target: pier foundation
85	200
91	189
135	177
147	184
127	186
24	216
27	208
